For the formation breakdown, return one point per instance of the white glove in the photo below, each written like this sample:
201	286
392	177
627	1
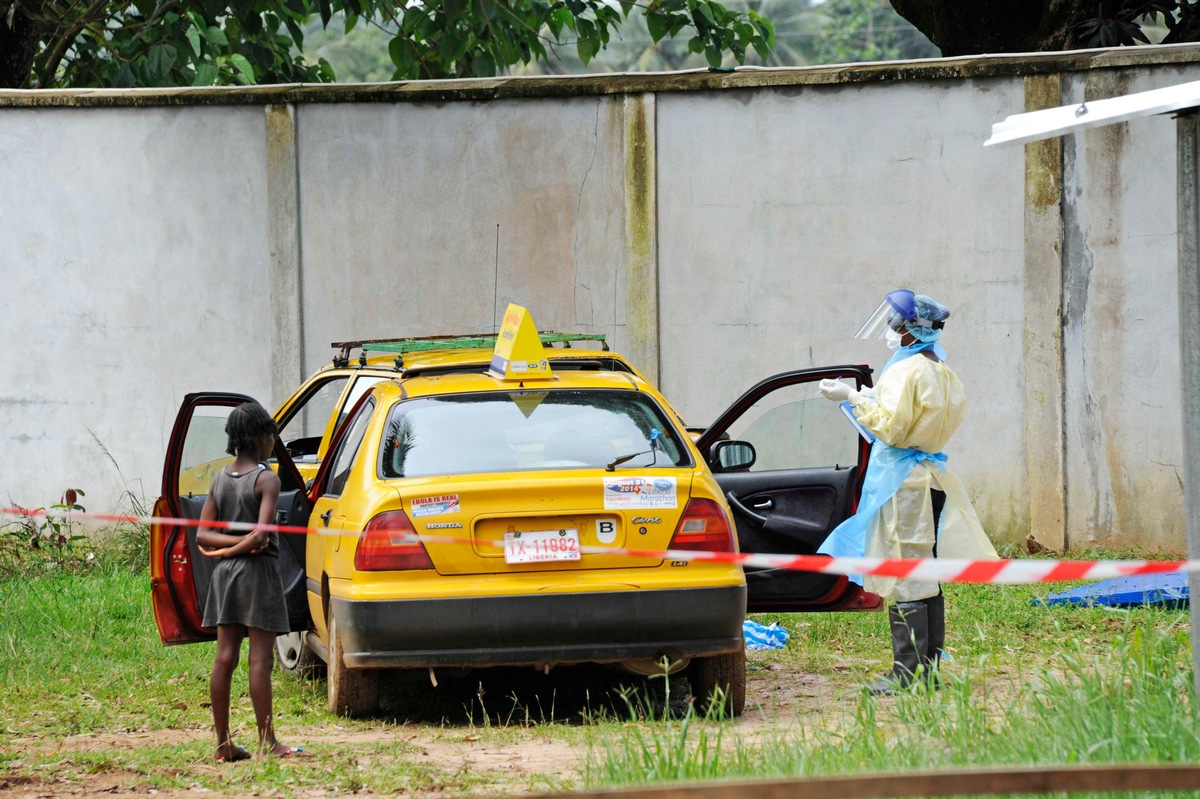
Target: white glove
836	390
867	393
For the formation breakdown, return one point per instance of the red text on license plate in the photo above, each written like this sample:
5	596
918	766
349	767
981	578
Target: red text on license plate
541	545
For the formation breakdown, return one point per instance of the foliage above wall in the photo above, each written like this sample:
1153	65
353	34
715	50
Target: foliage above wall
118	43
205	42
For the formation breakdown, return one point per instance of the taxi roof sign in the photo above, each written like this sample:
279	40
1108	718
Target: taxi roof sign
519	354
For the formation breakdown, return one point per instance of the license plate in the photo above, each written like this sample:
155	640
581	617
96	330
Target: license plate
541	545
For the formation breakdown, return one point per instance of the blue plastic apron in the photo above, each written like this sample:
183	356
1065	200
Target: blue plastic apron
888	469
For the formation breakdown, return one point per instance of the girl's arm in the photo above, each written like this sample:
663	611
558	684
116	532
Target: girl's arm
208	538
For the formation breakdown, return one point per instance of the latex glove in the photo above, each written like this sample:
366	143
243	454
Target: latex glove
867	393
836	390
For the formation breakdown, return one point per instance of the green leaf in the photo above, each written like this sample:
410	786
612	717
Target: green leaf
713	54
294	29
401	54
695	45
351	19
706	12
325	71
216	37
658	24
484	65
325	11
453	45
124	77
413	16
562	18
242	65
159	61
193	37
586	49
206	75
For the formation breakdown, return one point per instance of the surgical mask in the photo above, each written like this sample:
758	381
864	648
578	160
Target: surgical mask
893	339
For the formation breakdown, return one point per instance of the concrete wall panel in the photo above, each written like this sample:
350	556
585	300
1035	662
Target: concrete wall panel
400	207
786	215
134	270
1121	353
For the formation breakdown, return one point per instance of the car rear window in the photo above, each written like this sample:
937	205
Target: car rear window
528	430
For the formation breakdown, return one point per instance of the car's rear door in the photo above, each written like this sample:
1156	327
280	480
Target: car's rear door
803	482
179	572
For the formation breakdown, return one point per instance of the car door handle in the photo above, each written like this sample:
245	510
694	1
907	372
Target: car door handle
763	504
325	516
738	506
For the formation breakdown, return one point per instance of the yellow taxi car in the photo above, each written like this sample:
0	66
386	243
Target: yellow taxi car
476	511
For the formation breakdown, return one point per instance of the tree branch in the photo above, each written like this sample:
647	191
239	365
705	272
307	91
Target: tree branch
56	53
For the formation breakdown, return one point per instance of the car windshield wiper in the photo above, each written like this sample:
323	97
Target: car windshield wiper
612	465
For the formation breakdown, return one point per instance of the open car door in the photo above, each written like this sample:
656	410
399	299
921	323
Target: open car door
179	572
791	465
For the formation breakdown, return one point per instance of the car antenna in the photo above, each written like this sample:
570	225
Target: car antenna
496	284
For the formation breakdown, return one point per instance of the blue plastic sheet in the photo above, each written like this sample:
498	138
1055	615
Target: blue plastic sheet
759	636
1146	589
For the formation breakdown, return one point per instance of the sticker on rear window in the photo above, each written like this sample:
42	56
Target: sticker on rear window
639	492
435	506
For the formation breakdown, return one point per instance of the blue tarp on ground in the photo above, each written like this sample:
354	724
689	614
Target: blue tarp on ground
1146	589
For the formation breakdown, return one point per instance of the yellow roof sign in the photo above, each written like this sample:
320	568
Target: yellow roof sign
519	354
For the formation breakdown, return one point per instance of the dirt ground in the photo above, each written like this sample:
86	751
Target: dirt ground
501	764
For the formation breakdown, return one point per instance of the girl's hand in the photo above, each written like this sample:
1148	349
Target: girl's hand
258	541
220	552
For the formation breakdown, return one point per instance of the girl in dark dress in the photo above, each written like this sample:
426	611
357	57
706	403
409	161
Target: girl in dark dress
245	594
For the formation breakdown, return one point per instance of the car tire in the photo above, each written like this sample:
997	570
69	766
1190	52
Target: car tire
352	692
719	676
295	656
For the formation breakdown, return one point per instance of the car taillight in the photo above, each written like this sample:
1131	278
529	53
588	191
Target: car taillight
704	526
389	543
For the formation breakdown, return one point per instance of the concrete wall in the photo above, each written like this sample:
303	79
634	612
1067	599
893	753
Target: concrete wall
134	269
719	228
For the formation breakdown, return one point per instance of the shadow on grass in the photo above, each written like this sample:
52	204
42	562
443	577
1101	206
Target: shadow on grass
511	696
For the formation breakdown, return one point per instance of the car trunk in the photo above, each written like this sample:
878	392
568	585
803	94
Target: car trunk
555	520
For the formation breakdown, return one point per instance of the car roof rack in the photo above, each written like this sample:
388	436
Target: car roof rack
466	341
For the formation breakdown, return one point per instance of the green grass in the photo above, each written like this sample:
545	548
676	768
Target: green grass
79	656
1130	702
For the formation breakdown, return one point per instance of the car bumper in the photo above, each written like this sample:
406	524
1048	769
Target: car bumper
540	629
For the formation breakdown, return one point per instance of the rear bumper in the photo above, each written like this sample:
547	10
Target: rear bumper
537	629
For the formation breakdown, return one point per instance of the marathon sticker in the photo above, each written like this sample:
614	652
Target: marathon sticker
435	506
639	492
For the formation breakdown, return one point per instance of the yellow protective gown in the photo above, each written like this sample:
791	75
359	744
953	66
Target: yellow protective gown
918	404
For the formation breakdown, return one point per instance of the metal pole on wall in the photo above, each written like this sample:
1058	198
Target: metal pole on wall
1188	178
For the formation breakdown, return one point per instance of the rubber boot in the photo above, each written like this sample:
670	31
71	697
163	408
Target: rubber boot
935	613
910	645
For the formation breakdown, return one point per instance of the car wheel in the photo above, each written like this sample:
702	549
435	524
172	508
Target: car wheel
719	676
352	692
295	656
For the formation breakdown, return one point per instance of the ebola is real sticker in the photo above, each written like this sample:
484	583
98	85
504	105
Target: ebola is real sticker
435	506
639	492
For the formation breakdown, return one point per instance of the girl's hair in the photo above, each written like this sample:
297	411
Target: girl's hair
246	424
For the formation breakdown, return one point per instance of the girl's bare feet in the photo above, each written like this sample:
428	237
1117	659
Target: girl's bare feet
279	750
229	753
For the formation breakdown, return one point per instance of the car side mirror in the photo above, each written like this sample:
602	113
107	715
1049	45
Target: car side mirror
301	447
733	456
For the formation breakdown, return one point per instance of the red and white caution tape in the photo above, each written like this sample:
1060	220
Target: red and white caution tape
946	570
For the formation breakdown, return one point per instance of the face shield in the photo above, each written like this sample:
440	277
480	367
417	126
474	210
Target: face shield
897	309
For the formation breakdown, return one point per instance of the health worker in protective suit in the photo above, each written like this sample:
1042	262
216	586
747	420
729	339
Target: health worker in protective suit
911	506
